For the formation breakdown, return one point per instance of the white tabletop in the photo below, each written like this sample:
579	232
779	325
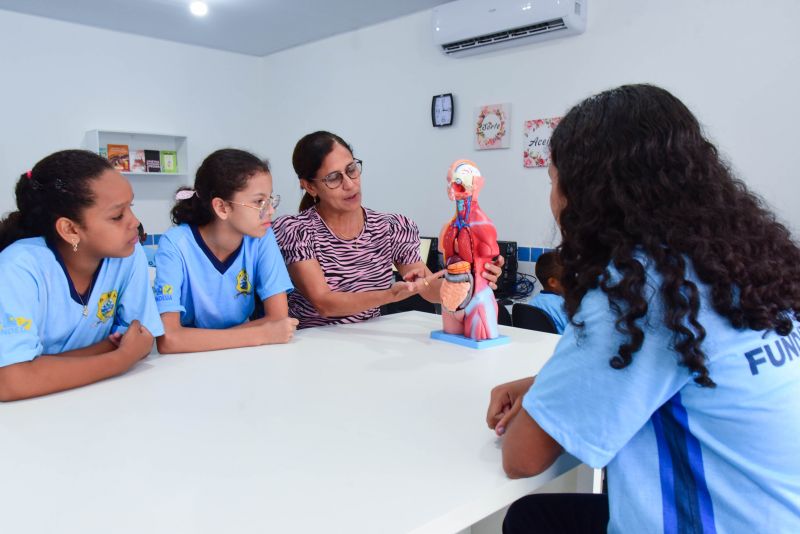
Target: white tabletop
358	428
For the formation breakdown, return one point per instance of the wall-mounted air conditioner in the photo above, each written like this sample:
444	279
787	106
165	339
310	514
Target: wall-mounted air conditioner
466	27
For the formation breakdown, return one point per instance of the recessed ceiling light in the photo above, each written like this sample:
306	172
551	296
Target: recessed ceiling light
198	9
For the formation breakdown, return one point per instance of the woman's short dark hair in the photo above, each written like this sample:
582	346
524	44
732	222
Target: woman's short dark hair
639	178
57	186
309	153
221	174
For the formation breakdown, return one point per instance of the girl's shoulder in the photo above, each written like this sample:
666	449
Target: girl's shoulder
178	233
29	253
181	240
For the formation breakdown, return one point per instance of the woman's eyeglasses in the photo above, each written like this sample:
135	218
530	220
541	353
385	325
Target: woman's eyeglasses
263	206
353	171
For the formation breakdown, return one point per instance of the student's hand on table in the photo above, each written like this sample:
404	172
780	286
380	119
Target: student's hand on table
115	338
493	271
136	342
505	401
278	331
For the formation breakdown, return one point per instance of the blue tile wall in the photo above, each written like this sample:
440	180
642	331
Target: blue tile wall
530	253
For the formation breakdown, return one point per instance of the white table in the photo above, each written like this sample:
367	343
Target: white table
369	428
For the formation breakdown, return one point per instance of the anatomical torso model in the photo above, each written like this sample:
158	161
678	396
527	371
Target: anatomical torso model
468	242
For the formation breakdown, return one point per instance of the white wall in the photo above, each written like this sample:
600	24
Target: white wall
737	66
60	80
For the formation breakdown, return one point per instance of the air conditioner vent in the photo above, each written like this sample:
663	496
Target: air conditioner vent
508	35
466	27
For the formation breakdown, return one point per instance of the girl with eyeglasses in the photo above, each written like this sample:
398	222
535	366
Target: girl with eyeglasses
339	253
76	304
220	257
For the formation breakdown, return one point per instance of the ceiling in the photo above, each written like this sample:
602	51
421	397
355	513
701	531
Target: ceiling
254	27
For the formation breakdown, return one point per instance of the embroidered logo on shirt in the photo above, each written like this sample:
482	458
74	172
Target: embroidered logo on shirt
243	286
14	325
106	306
163	292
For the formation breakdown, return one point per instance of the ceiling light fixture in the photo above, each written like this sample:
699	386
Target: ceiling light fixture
198	9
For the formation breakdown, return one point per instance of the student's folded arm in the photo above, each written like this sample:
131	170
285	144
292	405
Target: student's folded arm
275	307
178	338
527	449
101	347
309	280
52	373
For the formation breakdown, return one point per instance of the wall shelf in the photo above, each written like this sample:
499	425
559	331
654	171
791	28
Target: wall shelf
94	140
154	174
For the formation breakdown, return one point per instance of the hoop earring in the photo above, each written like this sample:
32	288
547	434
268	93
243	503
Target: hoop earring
74	246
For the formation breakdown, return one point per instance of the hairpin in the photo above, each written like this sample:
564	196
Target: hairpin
185	194
28	174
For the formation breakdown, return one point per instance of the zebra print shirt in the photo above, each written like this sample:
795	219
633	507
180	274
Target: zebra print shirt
360	264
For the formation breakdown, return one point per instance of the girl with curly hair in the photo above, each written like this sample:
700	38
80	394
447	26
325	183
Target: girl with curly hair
680	368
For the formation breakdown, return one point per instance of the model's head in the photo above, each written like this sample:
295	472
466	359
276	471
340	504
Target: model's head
464	180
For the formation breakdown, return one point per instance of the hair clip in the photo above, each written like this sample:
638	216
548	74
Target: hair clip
28	174
185	194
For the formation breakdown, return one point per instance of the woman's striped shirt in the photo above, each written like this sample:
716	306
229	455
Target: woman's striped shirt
354	265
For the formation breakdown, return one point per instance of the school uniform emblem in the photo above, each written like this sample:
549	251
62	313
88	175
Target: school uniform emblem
162	292
243	286
23	323
106	306
15	325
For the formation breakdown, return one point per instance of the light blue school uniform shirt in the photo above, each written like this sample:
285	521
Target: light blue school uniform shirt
553	305
680	457
42	313
209	293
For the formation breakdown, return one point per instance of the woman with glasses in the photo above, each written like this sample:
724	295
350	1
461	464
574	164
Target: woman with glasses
219	257
339	253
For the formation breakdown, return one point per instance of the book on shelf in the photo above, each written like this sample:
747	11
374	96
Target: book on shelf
138	161
152	160
169	161
119	157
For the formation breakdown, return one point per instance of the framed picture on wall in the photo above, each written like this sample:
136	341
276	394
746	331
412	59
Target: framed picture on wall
536	139
491	126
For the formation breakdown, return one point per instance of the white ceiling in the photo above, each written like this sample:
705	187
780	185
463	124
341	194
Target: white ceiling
254	27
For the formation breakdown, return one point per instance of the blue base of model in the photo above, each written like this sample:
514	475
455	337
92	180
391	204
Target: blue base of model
469	342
